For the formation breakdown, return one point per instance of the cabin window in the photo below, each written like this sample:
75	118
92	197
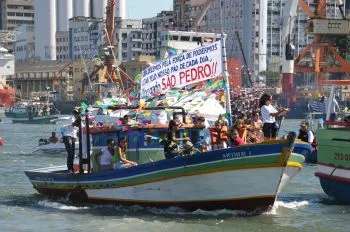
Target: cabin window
100	139
153	136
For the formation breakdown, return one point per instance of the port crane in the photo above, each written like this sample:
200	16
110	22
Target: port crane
315	58
108	68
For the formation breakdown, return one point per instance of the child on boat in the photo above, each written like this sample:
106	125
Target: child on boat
120	156
235	140
219	136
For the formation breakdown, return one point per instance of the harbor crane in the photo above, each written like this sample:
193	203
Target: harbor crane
316	57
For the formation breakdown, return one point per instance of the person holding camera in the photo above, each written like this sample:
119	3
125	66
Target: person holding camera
268	114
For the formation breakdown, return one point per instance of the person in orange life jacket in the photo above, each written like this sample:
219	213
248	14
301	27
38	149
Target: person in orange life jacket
122	161
219	136
235	140
268	114
306	135
70	136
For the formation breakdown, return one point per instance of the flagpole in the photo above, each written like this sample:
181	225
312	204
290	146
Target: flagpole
225	75
224	71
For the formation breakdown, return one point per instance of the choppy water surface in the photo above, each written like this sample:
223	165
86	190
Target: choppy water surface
302	205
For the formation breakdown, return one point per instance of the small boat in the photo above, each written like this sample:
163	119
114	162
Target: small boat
305	149
1	141
246	178
53	148
48	119
333	165
33	112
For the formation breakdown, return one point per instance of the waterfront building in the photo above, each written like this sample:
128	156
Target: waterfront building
248	19
151	32
176	42
128	39
52	16
15	13
85	37
24	45
62	45
41	76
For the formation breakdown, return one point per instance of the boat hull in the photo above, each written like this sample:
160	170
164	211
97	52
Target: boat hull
246	177
305	149
36	120
54	148
294	166
335	182
191	192
333	168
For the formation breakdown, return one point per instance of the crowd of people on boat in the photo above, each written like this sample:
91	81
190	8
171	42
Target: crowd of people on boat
253	120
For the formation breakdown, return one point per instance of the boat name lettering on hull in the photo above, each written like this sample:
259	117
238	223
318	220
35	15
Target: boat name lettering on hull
234	155
341	156
43	178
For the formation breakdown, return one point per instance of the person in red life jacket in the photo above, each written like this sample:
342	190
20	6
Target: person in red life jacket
219	136
235	140
306	135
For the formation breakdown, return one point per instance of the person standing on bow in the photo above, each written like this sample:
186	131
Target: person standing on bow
70	136
268	114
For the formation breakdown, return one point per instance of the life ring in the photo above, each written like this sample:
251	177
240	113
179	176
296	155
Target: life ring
1	141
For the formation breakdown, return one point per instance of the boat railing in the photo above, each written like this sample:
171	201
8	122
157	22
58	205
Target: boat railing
337	124
176	109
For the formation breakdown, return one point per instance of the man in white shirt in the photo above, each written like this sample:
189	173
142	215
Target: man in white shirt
334	108
70	136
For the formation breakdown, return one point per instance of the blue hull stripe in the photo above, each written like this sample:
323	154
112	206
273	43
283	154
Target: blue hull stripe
197	159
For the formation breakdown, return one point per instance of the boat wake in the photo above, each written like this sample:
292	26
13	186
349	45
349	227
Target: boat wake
59	206
286	205
136	210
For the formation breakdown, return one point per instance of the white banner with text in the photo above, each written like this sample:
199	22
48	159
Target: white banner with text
190	67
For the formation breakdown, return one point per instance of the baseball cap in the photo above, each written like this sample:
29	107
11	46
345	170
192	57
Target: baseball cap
304	123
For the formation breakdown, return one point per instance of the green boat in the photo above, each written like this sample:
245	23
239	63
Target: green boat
48	119
32	113
333	167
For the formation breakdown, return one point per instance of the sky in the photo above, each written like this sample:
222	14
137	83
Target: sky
138	9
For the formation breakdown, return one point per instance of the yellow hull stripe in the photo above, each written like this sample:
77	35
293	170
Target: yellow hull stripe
294	164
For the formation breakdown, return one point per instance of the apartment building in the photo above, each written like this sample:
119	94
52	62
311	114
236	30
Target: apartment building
16	12
128	39
85	37
152	29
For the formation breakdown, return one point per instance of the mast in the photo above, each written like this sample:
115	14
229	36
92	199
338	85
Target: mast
109	40
224	71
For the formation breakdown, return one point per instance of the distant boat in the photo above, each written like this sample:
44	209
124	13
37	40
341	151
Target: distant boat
32	113
53	148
